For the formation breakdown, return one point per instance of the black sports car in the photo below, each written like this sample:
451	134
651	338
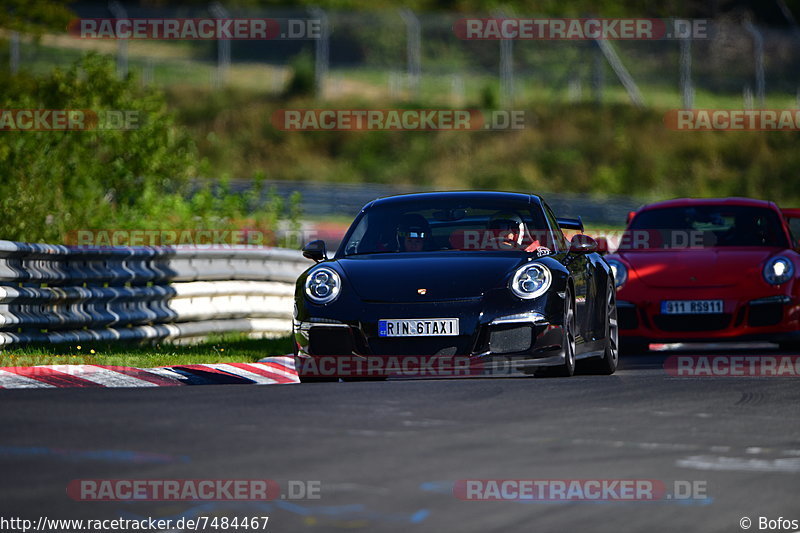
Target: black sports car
485	278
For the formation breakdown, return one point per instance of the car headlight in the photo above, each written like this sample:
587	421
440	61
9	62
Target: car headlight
531	281
619	270
778	270
323	285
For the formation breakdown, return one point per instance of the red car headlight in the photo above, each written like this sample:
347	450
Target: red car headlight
619	270
778	270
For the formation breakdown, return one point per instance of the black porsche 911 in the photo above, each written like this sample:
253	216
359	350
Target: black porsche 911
477	279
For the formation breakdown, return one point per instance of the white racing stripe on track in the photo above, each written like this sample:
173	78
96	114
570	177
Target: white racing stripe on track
243	373
101	376
283	360
169	373
705	346
740	464
278	371
10	380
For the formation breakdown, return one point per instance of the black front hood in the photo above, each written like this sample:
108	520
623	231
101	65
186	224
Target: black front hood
442	275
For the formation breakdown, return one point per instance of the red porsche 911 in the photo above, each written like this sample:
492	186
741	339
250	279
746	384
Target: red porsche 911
708	270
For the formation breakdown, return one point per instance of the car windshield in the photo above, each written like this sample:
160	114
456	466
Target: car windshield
704	226
794	227
448	224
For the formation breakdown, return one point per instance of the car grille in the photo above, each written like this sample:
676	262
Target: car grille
330	341
510	339
692	322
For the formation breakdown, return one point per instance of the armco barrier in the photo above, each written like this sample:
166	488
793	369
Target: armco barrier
54	293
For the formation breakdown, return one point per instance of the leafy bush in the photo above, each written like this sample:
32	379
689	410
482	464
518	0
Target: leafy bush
53	182
303	76
579	148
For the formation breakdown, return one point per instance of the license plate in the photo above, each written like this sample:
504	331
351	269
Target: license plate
418	327
691	307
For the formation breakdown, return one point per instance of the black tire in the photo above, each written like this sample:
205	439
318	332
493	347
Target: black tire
607	364
568	343
633	347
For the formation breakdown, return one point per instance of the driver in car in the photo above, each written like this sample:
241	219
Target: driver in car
413	232
508	233
507	230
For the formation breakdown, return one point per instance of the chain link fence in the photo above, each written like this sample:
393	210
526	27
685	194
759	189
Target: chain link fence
399	55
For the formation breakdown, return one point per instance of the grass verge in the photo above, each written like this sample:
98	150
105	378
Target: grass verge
223	349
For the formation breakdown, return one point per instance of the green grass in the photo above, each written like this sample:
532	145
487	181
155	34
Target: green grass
224	349
183	64
531	90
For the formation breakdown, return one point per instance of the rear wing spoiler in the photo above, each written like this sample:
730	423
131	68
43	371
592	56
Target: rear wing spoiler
570	223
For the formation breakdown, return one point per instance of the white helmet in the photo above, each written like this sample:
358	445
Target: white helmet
508	221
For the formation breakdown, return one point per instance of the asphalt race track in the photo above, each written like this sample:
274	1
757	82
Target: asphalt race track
387	454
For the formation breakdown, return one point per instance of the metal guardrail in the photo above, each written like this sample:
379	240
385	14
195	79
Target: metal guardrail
320	199
57	294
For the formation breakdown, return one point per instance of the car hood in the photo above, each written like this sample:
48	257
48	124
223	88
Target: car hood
444	276
709	267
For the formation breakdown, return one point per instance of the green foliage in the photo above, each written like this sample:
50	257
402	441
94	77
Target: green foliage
580	148
35	16
54	182
490	99
302	81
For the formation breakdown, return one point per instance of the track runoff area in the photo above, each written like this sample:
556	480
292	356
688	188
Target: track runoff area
685	438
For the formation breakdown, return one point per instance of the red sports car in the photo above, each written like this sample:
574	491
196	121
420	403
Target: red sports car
708	270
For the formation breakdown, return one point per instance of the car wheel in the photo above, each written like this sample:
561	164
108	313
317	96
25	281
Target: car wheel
608	363
568	343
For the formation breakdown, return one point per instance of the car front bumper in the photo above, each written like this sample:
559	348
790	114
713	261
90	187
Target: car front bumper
492	339
771	317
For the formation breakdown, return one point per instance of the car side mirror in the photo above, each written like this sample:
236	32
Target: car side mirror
315	250
582	244
602	245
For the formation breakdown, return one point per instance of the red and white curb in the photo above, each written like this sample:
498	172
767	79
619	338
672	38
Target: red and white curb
269	371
